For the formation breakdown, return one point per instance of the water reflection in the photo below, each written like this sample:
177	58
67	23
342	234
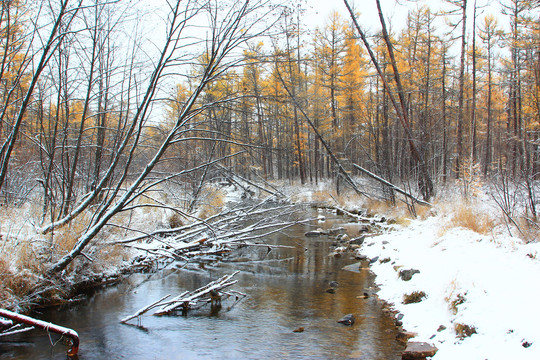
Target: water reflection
287	290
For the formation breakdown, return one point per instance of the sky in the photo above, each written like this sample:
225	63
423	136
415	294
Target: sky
395	11
318	11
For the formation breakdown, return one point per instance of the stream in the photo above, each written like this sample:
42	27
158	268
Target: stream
286	290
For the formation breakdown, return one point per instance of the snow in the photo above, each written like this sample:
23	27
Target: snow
496	275
489	282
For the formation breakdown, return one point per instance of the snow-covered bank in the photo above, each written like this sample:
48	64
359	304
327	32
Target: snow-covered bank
486	282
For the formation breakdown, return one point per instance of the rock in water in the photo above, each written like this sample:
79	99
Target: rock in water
358	240
314	233
335	231
347	320
418	350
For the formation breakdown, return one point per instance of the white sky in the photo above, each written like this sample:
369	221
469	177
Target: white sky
395	11
318	11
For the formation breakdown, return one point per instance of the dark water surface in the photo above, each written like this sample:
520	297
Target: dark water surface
286	290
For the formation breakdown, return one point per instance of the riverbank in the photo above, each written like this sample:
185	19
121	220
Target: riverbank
472	287
476	293
289	312
469	273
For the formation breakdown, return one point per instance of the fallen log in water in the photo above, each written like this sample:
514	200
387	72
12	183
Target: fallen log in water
145	309
72	334
15	329
216	235
211	293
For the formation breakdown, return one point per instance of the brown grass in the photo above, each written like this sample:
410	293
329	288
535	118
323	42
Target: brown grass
16	281
398	212
465	216
175	221
211	202
108	255
324	197
414	297
66	237
463	330
529	228
453	304
454	298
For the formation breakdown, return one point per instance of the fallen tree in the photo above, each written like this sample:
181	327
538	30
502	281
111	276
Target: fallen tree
216	235
47	326
212	293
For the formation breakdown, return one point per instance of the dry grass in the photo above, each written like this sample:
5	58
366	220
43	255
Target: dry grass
320	196
19	273
211	202
414	297
20	262
529	229
107	256
175	221
466	216
399	212
454	298
454	303
65	238
463	330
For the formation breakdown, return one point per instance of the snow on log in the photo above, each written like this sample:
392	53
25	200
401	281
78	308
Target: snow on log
212	292
72	334
145	309
208	293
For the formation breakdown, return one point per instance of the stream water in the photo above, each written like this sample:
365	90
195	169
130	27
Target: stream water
286	290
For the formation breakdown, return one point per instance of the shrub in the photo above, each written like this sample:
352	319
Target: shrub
175	221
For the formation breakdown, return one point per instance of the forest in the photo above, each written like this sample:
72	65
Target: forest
75	115
109	107
125	126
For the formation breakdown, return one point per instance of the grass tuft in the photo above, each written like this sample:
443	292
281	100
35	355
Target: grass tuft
465	216
414	297
211	202
175	221
463	331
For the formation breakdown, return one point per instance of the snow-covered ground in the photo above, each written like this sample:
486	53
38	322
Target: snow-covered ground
486	282
490	283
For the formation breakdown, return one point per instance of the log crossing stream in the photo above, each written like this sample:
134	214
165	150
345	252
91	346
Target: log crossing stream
287	291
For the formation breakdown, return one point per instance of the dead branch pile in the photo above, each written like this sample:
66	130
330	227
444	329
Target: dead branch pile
212	293
216	235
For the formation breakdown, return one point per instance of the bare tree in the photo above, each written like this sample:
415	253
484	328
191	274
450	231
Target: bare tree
425	182
230	25
38	55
